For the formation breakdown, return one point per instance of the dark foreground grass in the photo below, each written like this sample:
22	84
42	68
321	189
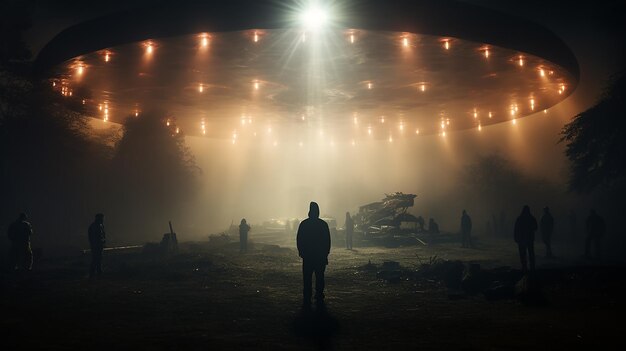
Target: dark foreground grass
214	298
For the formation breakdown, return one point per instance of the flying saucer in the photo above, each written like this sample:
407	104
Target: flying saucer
342	82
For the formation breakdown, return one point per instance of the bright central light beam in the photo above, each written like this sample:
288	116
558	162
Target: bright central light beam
314	18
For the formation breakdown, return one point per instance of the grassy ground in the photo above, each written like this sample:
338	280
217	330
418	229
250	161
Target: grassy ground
210	297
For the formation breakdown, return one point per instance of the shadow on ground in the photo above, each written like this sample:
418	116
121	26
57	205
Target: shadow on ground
318	326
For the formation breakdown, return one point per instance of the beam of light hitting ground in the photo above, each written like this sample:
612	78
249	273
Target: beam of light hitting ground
314	77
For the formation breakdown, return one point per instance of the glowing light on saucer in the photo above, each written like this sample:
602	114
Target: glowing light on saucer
204	40
326	84
314	18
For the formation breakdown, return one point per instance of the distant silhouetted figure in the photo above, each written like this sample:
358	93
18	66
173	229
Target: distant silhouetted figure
97	240
313	241
595	231
547	228
19	234
349	231
244	228
466	230
524	235
421	222
433	227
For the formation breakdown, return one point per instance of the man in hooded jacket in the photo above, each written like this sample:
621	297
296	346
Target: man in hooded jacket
313	241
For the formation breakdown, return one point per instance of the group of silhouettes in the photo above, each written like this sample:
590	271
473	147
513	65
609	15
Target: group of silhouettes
524	234
21	253
313	243
526	226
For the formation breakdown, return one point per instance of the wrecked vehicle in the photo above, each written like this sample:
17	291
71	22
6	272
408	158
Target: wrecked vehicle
385	217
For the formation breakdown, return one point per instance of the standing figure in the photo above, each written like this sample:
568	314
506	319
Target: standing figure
547	227
420	222
524	235
433	227
97	239
313	240
466	230
244	228
349	231
19	234
595	231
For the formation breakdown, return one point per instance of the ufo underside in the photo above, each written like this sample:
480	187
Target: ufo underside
344	82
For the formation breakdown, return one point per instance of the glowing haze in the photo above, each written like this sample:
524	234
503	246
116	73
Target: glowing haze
278	118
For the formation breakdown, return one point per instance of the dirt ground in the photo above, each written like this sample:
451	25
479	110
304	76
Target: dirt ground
213	297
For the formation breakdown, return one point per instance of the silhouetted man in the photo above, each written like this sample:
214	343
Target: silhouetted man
595	231
466	230
547	227
19	234
420	222
244	228
524	235
349	231
313	241
97	240
433	227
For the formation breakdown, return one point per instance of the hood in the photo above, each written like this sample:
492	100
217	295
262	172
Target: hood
314	210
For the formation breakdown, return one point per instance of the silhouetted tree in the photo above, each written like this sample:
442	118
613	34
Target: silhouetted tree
48	161
493	188
154	171
596	140
55	167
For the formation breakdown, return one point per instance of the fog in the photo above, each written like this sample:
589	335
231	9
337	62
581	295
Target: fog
258	181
